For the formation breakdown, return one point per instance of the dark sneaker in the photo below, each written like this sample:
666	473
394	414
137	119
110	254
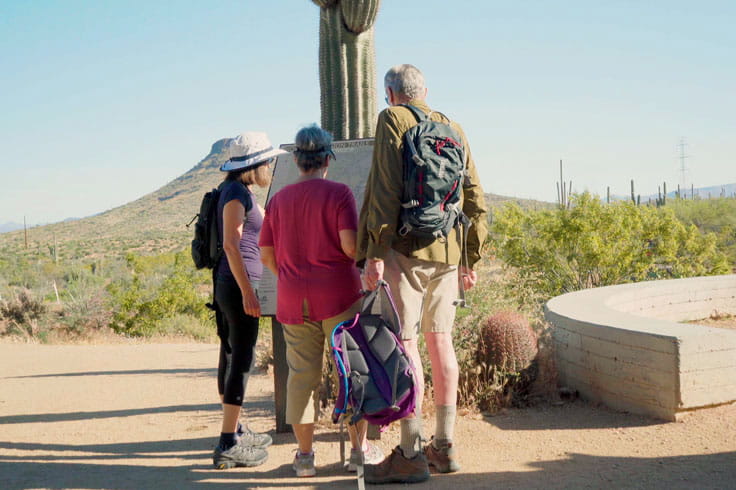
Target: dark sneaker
442	455
397	468
255	439
238	455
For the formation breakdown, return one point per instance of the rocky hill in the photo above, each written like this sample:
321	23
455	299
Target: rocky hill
152	224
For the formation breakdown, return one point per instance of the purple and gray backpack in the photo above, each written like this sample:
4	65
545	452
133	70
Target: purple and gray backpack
376	377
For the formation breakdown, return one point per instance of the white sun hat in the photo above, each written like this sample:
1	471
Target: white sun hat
248	150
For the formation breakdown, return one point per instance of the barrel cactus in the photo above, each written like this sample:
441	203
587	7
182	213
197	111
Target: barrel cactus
507	343
347	67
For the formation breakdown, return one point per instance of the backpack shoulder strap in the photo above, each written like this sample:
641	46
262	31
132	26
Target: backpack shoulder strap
449	121
421	116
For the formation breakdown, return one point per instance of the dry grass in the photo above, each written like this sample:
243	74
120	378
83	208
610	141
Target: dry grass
718	319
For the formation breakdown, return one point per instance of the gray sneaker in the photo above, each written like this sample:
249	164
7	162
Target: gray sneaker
304	464
255	439
372	455
238	455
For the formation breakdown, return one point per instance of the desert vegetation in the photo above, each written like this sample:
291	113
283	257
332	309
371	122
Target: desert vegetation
112	287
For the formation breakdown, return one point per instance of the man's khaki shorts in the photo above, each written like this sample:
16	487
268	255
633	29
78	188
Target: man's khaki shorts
424	293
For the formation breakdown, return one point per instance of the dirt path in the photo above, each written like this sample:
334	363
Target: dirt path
145	416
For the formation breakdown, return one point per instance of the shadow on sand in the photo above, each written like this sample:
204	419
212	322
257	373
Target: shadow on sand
570	471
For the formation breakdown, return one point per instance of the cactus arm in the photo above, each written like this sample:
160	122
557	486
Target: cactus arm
325	3
359	15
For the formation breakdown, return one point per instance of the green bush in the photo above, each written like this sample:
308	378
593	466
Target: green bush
181	325
596	244
159	288
137	295
716	216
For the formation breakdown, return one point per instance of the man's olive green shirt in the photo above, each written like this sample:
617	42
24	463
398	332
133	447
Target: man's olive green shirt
379	216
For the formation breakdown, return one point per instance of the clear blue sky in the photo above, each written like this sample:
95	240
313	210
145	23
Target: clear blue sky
103	102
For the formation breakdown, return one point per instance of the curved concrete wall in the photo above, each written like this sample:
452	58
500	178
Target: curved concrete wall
621	345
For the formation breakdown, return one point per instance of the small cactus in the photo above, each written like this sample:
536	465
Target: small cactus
507	342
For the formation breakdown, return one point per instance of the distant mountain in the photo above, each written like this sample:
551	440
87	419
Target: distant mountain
153	223
496	201
727	190
10	226
710	192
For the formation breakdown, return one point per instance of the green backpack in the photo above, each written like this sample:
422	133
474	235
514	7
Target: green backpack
434	170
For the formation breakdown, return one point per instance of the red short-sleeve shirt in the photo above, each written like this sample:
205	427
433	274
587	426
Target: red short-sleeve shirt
302	224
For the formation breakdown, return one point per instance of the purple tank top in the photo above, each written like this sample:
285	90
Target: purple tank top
249	250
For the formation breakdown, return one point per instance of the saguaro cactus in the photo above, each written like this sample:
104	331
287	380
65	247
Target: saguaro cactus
347	67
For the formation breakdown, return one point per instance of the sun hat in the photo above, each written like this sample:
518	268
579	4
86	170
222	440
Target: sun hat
248	150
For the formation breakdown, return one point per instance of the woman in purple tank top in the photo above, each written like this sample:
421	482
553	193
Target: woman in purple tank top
236	277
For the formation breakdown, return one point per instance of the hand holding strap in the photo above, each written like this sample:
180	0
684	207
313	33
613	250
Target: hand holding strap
380	302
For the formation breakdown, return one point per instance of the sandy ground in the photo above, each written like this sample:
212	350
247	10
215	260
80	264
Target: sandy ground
140	416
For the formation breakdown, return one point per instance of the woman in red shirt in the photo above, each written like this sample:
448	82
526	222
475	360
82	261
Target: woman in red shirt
308	241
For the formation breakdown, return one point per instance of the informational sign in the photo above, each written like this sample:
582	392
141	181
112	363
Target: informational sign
351	168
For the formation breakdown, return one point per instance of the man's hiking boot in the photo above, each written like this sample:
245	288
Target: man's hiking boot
441	455
397	468
238	455
304	464
372	455
247	437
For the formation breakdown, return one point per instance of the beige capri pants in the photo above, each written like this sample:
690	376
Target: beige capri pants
305	344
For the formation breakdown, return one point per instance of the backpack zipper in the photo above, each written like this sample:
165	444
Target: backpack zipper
454	186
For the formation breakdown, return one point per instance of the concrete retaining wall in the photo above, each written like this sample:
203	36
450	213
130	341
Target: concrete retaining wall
621	345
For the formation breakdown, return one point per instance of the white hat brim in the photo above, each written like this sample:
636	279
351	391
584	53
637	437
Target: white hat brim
251	162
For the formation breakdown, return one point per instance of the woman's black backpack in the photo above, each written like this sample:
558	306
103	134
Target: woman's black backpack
206	245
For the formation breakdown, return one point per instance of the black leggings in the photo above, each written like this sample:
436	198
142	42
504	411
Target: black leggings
238	333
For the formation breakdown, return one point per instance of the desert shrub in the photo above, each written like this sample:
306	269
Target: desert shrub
264	345
19	272
159	287
182	325
22	308
85	310
595	244
82	293
22	312
717	216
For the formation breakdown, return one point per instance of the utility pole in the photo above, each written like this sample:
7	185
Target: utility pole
25	232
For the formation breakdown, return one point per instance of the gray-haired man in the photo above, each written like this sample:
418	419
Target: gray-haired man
422	273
